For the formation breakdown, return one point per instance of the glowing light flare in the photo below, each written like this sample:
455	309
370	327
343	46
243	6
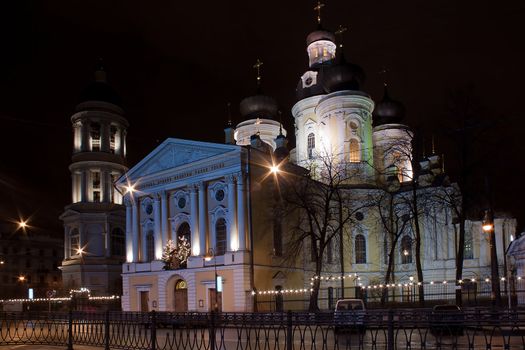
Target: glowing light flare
129	188
487	227
274	169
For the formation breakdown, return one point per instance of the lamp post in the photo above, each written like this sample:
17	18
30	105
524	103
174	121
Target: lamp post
488	227
208	257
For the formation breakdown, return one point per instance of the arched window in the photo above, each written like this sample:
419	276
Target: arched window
74	242
355	156
184	231
330	251
150	246
220	237
118	242
406	250
310	147
279	302
360	249
331	298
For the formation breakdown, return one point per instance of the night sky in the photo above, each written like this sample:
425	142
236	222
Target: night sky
177	65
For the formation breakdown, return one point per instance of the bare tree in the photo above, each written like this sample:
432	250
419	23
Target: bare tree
321	205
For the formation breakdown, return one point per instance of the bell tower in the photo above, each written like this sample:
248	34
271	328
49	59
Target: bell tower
94	223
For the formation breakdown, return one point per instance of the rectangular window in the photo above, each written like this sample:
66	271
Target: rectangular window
95	137
96	196
112	133
95	176
325	52
468	252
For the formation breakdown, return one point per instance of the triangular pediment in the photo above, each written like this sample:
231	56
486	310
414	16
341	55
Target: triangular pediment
174	153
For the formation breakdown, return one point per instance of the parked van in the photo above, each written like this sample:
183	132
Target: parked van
349	315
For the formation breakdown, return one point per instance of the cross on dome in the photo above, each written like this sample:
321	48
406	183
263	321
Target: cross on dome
257	66
318	9
384	71
340	32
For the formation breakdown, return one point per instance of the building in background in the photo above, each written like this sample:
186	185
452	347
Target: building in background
29	260
94	223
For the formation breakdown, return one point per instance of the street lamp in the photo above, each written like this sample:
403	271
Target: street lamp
488	228
208	257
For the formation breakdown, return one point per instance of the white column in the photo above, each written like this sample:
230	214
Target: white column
123	144
135	230
108	239
85	147
194	217
159	241
84	186
241	211
82	240
203	217
67	243
129	236
164	216
231	234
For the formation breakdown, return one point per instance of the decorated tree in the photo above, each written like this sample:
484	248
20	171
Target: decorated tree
168	255
176	256
182	251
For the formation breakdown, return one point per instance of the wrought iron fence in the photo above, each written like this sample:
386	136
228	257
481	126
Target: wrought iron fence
379	329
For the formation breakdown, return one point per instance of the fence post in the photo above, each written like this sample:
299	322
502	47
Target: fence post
153	330
212	331
106	331
70	331
289	330
390	336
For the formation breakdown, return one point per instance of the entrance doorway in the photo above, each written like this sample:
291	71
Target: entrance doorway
180	296
211	298
144	299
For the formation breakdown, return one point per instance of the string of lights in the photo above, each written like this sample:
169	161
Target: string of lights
372	286
72	292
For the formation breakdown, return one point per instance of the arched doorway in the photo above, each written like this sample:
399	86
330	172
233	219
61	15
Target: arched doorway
180	296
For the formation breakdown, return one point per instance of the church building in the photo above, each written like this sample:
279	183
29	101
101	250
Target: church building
201	228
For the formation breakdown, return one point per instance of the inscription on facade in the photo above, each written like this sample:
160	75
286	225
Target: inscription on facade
180	176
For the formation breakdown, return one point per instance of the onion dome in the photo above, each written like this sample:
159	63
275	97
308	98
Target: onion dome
100	90
309	84
388	111
258	106
319	34
342	75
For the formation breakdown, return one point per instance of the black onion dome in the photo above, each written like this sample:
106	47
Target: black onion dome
342	75
320	34
309	90
388	111
258	106
100	91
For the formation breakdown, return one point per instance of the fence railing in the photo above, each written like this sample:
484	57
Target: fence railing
377	329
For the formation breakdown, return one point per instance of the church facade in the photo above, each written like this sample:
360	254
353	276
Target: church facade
219	200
